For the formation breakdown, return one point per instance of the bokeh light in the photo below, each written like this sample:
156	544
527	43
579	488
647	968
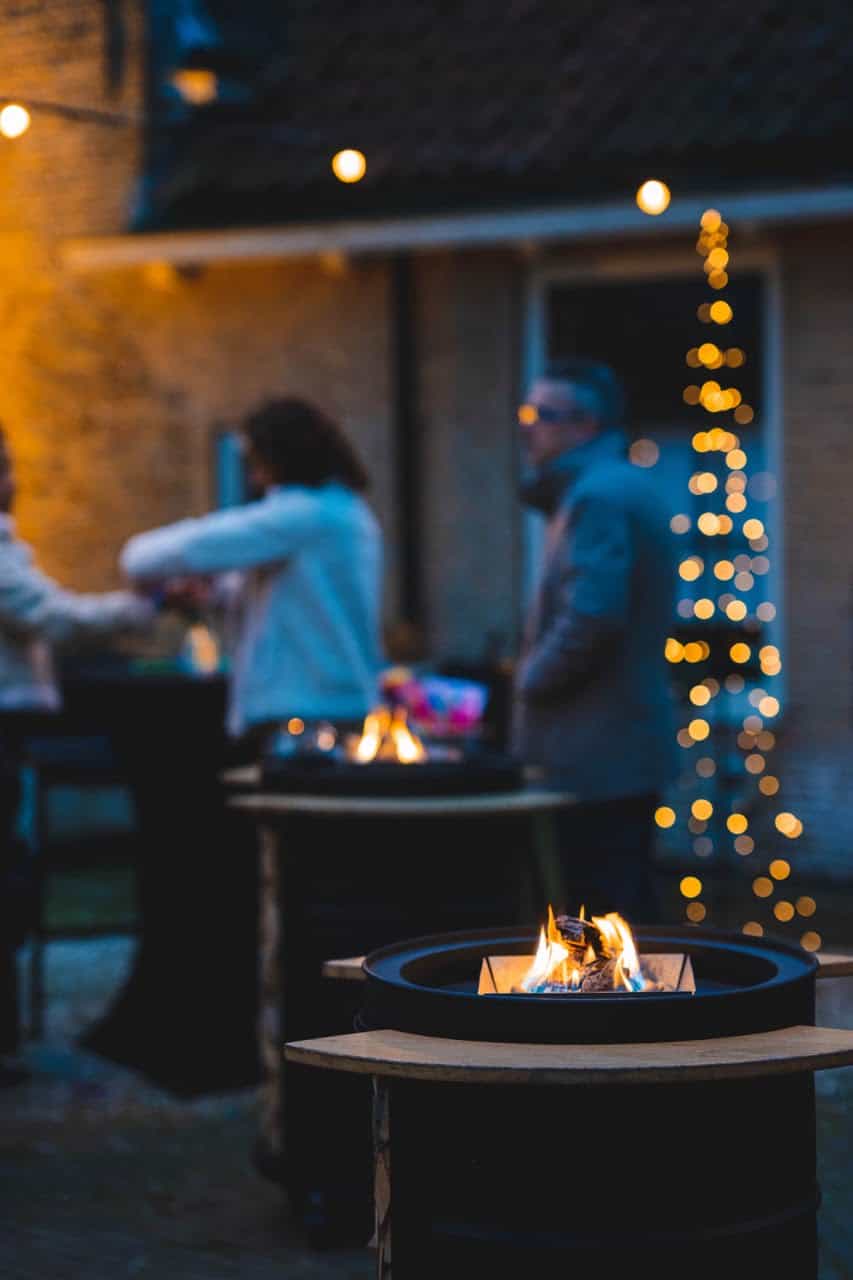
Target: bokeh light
653	197
349	165
14	120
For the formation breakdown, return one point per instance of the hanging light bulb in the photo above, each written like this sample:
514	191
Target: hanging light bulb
14	120
653	197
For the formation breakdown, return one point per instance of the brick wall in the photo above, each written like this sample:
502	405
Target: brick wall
816	760
113	385
470	318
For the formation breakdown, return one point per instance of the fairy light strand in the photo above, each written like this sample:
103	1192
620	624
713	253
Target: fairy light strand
721	481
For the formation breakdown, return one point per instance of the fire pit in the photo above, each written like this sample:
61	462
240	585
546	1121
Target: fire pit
385	759
685	1148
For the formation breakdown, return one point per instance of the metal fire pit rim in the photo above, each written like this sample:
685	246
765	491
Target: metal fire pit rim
425	944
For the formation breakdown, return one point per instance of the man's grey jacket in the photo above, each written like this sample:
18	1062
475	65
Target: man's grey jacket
592	698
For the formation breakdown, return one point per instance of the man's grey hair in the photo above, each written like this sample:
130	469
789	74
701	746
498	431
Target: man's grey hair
597	389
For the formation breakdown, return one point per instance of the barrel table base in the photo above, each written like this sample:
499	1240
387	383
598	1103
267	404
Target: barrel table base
688	1159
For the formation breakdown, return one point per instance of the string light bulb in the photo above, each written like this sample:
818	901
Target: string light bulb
653	197
14	120
349	165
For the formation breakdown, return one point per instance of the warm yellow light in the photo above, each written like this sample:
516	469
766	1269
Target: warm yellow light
768	652
811	941
695	912
690	569
701	442
740	652
696	651
197	85
768	786
673	650
753	929
698	730
806	906
708	352
679	524
700	695
702	809
295	725
783	911
736	459
789	824
653	197
349	165
14	120
664	816
753	529
769	706
780	869
725	523
762	887
709	524
527	415
704	608
737	823
710	220
754	763
718	259
691	886
724	569
718	279
720	312
736	611
736	502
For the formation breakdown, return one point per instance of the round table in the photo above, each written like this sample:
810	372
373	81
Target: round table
345	875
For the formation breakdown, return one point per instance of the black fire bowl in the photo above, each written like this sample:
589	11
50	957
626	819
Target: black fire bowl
429	986
477	771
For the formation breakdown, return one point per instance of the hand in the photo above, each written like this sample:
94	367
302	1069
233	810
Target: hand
188	595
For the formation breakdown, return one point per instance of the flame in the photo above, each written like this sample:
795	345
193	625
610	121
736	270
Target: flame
618	943
555	967
387	737
410	749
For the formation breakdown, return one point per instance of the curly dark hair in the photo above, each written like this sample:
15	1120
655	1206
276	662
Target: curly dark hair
302	445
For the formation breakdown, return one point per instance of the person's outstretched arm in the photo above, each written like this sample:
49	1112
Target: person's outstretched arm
239	538
594	594
31	604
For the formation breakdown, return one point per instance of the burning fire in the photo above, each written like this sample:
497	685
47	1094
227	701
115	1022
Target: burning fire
386	736
576	954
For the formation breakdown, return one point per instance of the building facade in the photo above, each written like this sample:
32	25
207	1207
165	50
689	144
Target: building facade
130	349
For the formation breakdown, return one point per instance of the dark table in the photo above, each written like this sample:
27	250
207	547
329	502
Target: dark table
186	1015
344	875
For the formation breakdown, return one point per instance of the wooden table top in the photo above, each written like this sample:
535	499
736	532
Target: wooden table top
269	803
400	1055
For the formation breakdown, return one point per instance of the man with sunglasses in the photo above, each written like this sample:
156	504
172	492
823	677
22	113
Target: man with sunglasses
592	701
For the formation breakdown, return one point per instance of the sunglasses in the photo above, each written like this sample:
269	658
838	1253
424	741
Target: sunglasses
529	414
